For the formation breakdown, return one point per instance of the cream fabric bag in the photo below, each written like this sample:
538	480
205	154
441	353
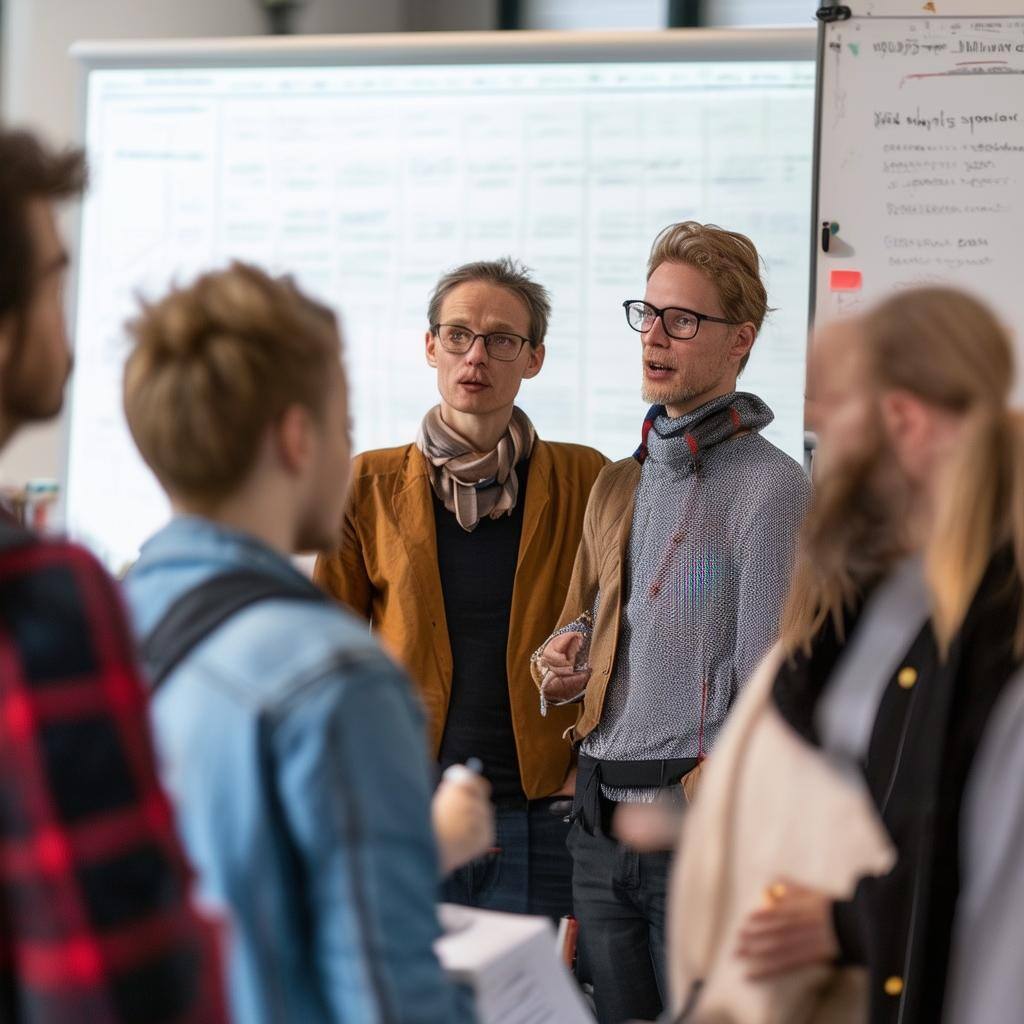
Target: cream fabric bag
769	806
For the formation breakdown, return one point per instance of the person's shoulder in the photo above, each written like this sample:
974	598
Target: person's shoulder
344	667
380	462
35	549
298	647
776	474
612	493
309	675
63	613
377	474
616	473
574	454
44	569
577	462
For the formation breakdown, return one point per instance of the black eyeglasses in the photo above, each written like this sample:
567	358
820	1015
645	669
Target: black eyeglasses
681	324
499	344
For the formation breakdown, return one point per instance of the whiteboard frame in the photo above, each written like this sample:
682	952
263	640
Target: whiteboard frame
819	101
408	49
522	47
958	9
895	10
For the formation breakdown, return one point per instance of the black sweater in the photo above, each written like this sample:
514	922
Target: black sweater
478	573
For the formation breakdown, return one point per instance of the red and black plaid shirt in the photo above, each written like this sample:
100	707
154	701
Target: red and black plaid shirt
95	921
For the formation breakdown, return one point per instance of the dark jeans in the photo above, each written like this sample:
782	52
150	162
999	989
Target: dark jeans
533	872
619	897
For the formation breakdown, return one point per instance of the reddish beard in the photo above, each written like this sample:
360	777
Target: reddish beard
855	524
693	381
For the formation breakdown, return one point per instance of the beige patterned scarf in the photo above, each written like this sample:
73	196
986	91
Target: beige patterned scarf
471	485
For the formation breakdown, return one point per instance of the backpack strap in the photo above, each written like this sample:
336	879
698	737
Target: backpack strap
200	611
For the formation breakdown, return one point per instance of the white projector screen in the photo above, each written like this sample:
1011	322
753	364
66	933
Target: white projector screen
367	182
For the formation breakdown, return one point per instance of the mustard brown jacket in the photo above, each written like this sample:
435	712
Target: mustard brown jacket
599	570
385	569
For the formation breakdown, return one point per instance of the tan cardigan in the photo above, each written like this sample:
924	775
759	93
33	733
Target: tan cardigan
598	568
769	806
386	570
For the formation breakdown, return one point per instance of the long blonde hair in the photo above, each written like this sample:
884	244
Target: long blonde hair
948	349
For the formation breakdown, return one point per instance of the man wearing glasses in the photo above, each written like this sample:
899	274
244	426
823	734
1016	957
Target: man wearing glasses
676	593
459	549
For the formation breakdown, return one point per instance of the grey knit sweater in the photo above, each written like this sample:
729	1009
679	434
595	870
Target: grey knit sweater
706	574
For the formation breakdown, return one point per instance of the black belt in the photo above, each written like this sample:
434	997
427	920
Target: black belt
592	773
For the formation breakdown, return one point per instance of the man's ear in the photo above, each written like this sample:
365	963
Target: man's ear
909	427
430	343
743	342
293	437
902	414
535	361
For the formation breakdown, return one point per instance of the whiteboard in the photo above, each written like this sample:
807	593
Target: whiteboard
368	177
921	155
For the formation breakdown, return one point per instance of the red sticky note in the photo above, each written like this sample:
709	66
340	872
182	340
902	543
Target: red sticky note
844	280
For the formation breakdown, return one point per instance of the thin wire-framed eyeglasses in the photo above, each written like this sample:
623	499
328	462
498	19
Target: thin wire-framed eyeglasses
501	345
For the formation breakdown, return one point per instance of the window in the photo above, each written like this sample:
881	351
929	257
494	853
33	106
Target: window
757	13
584	14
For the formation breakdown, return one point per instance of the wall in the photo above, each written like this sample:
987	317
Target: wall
38	89
451	15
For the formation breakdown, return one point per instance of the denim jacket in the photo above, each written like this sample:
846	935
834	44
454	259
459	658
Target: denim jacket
295	755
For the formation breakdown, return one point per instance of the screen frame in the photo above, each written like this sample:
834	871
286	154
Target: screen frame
520	47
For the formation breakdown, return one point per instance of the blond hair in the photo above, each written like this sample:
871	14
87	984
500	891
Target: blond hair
729	259
948	349
213	365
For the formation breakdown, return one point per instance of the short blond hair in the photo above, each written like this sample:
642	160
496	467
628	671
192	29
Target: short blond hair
730	260
213	365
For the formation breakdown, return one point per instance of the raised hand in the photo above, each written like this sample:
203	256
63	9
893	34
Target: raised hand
562	680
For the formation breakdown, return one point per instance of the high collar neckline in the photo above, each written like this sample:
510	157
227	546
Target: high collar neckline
683	442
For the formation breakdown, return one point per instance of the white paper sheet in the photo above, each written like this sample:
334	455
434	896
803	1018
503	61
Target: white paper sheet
512	963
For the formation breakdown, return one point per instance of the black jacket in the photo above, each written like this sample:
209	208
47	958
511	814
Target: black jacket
927	731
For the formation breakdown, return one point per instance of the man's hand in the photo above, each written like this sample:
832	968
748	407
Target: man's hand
562	680
647	828
463	818
793	929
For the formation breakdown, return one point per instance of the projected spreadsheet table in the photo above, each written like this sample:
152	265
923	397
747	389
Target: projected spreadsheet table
367	183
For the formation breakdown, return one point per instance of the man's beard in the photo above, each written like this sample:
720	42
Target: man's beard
655	395
27	406
694	381
27	394
858	515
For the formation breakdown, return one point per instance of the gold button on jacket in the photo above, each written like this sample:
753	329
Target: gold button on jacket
893	986
907	677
